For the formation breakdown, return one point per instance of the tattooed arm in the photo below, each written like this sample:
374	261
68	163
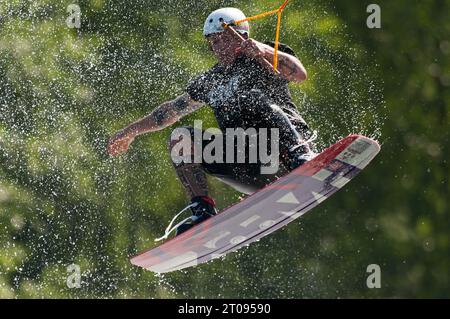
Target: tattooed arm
289	66
163	116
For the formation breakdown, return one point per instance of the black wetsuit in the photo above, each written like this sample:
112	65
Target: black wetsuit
246	94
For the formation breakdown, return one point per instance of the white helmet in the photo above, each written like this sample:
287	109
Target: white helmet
214	22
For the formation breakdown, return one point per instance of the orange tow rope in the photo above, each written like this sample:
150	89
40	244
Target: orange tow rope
277	35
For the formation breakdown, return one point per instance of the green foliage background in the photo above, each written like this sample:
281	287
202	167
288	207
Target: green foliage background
64	92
